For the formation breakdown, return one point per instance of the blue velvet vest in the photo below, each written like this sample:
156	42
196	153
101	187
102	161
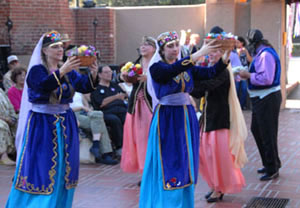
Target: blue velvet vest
276	80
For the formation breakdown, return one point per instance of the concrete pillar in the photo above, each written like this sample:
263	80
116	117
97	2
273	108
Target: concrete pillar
242	18
221	13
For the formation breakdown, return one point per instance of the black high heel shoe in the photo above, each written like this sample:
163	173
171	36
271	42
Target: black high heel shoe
208	194
215	199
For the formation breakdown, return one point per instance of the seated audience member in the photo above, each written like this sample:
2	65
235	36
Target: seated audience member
8	124
12	62
15	92
92	121
109	98
66	45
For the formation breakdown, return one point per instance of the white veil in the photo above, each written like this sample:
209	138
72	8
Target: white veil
26	106
155	58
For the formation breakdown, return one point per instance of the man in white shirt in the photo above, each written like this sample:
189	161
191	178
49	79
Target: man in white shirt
93	122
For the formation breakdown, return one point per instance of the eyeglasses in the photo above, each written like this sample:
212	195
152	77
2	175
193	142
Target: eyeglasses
106	72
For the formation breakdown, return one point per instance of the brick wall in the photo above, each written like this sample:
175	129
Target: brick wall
104	38
31	18
4	13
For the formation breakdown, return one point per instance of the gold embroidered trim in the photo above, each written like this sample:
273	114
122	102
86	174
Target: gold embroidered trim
162	167
69	184
60	87
182	82
177	79
135	95
146	99
186	76
186	117
31	188
181	77
188	61
21	181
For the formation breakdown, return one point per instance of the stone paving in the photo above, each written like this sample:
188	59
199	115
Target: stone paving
108	187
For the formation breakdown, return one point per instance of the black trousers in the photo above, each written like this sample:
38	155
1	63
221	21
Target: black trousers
115	121
264	127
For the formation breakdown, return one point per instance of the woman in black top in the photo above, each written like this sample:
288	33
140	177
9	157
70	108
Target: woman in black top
139	115
221	156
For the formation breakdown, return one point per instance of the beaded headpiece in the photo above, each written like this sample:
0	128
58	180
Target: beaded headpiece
51	38
166	37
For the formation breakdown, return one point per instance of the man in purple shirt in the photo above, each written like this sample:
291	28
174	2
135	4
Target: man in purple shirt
264	91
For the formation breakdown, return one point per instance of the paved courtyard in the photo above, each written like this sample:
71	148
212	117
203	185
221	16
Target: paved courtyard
108	187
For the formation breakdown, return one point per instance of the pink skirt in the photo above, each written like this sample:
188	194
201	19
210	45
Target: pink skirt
135	136
217	163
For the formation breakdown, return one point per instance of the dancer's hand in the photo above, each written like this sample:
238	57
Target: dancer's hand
94	70
226	56
71	63
142	78
244	74
205	50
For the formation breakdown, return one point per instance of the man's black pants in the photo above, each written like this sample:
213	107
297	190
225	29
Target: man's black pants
115	122
264	127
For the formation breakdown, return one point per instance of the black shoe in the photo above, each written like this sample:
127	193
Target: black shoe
107	160
139	183
95	151
208	194
12	156
262	170
116	157
268	176
215	199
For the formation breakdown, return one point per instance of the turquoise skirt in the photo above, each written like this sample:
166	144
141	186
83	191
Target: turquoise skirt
59	198
152	194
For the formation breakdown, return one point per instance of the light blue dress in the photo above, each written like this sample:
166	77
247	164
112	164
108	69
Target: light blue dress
172	159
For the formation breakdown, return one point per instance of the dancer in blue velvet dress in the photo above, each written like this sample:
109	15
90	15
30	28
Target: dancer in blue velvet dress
171	166
47	137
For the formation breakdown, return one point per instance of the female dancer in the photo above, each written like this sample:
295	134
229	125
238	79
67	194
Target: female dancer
223	131
139	116
47	136
171	166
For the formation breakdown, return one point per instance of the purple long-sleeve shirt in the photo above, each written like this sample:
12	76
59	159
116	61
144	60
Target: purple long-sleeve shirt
265	66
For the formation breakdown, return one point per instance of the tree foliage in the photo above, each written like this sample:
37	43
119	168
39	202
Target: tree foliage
119	3
151	2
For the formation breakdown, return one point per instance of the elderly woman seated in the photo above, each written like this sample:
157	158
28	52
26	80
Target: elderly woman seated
8	124
15	92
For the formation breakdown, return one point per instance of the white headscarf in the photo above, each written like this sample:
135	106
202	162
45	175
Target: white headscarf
26	106
155	58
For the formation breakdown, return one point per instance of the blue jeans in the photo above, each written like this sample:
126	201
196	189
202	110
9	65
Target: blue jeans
241	90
